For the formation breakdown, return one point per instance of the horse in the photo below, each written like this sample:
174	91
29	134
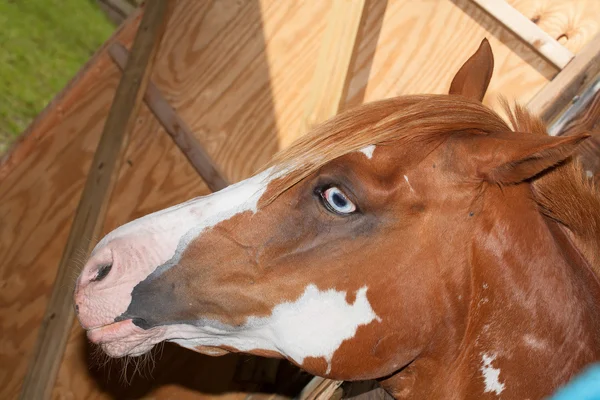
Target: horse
422	241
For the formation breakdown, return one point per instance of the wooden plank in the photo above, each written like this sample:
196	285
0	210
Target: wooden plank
528	31
571	22
176	127
577	115
41	375
584	116
320	389
331	77
556	95
116	10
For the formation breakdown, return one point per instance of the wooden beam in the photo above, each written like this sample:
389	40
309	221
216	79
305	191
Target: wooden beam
89	217
331	77
559	93
116	10
583	116
176	127
319	389
578	114
527	31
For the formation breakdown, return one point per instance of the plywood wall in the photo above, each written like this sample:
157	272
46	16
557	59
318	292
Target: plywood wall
238	72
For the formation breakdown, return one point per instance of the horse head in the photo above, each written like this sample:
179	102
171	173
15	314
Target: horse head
349	255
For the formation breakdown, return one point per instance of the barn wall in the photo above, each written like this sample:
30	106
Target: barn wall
238	72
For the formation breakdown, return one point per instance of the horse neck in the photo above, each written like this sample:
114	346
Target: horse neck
531	296
532	317
524	257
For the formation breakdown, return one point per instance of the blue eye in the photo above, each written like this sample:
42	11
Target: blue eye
337	201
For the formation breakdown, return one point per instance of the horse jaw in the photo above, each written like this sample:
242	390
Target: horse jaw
313	326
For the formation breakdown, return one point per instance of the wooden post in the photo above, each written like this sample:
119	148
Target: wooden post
528	31
116	10
580	114
89	217
176	127
556	95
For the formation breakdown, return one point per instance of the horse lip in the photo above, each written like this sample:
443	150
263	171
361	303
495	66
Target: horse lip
95	327
99	334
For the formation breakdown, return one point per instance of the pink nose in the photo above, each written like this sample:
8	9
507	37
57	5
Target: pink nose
96	274
104	288
95	270
90	290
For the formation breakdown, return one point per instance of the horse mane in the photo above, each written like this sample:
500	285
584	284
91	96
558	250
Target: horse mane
562	193
384	122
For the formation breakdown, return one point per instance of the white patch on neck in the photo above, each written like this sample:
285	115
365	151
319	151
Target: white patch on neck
491	375
368	151
315	325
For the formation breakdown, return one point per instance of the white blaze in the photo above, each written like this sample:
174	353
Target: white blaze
162	237
177	226
491	375
315	325
368	151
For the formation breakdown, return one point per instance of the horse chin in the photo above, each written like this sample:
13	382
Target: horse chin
124	338
211	351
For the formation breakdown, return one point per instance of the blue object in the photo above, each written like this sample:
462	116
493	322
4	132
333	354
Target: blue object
585	386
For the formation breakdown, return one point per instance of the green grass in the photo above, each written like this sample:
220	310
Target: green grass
43	43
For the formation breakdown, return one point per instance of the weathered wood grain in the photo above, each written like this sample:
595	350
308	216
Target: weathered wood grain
584	116
336	53
238	73
572	23
176	127
411	58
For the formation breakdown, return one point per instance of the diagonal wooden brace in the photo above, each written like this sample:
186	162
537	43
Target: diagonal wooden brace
176	127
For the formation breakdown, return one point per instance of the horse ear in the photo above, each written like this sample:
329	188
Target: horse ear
516	157
473	78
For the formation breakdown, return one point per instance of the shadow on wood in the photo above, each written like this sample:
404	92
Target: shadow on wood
185	371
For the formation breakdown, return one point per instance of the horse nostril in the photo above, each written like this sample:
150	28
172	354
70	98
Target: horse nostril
102	272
